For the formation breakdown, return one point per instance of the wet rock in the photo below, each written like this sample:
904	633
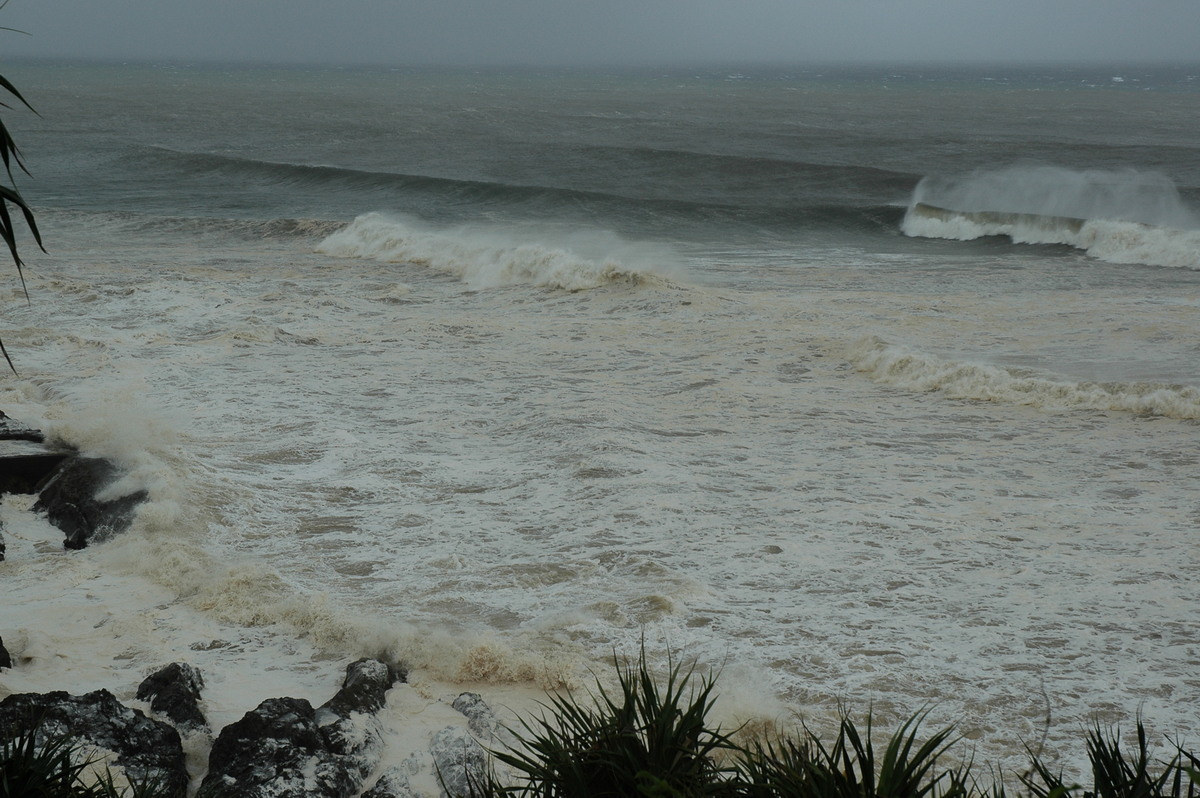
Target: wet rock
23	465
148	750
70	499
5	659
480	718
459	761
394	783
276	751
286	749
13	430
25	460
174	691
348	719
365	687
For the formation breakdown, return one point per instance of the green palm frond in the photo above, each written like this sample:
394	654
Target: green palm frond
10	156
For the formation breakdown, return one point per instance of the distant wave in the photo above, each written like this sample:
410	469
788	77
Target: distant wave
903	368
485	258
1119	217
752	180
244	228
664	187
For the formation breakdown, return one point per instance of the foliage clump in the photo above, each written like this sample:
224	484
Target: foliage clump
647	739
60	767
10	196
643	739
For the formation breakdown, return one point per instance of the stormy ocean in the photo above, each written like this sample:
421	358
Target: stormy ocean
875	387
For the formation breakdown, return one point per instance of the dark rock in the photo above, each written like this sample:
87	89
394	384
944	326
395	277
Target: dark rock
148	750
174	691
24	459
69	499
347	719
480	718
1	543
286	749
13	430
23	465
276	751
365	687
5	658
459	761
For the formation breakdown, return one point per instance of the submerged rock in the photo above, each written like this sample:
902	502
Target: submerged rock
174	691
286	749
149	750
480	718
70	499
459	761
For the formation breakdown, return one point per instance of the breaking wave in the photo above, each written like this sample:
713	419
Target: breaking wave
484	258
903	368
1119	217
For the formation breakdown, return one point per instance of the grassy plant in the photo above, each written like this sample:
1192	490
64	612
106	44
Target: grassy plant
58	767
647	740
642	740
1118	774
29	770
852	768
9	195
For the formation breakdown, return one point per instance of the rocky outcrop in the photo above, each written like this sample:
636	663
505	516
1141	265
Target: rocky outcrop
25	460
480	718
68	486
282	749
276	749
149	751
459	761
70	497
13	430
286	749
5	657
174	691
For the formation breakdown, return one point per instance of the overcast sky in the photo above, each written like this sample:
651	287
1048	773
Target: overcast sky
604	31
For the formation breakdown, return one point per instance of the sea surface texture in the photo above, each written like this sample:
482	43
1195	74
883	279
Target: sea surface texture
877	388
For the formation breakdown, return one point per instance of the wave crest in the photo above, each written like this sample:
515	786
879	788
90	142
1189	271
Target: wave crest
1115	216
488	259
898	366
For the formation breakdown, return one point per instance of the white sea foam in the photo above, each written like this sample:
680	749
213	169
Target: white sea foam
1119	217
369	460
904	368
485	258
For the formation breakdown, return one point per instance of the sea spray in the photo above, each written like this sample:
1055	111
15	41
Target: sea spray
1122	217
1115	195
487	258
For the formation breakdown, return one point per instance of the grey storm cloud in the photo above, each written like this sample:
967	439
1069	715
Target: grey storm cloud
603	31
